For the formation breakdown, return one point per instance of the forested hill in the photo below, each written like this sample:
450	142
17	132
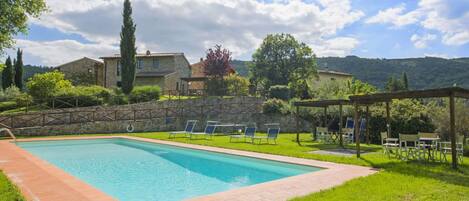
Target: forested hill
428	72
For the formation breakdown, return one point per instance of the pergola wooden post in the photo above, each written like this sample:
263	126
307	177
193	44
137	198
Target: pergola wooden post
325	116
341	140
388	120
367	124
298	125
356	128
451	93
452	131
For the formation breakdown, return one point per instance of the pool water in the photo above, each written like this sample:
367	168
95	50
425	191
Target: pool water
134	170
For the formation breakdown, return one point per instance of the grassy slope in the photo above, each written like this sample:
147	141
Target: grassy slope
8	192
397	180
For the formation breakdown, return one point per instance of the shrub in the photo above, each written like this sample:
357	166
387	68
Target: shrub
280	92
45	85
144	93
275	106
23	99
117	97
81	96
237	85
10	93
7	105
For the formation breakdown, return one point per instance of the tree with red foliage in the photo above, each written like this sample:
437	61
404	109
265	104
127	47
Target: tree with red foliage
217	64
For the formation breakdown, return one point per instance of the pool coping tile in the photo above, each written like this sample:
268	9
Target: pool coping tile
39	180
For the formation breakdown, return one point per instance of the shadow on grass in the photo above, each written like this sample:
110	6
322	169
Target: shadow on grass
431	170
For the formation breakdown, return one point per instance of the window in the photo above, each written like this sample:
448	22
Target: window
332	78
139	63
156	63
119	84
119	67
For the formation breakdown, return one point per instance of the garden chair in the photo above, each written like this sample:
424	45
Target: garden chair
208	132
190	125
348	131
428	147
272	134
249	132
389	144
408	146
445	149
322	134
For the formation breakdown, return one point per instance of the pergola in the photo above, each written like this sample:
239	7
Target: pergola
323	104
366	100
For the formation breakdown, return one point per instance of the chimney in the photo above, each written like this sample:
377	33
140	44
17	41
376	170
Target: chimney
201	59
148	53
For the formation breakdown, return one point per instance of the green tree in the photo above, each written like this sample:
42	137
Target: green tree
45	85
282	60
7	74
19	69
237	85
405	81
14	16
128	49
393	84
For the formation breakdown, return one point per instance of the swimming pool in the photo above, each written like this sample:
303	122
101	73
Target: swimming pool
134	170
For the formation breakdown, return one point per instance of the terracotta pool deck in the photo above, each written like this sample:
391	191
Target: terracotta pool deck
40	181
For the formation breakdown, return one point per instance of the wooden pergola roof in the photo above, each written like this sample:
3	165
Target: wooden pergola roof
322	103
457	92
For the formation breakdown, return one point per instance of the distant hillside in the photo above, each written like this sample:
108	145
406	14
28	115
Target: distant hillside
428	72
30	70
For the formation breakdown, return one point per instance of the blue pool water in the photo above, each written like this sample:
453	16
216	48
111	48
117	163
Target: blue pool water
133	170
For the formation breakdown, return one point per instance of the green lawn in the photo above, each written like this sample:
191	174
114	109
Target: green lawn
397	180
8	192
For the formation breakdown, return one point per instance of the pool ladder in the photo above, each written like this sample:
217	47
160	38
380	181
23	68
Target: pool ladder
9	133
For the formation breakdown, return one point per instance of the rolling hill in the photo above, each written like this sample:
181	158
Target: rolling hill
427	72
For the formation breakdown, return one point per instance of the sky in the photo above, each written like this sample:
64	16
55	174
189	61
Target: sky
365	28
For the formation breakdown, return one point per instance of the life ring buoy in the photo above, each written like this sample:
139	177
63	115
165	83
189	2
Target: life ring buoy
130	128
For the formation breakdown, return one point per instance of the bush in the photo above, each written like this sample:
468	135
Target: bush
237	85
45	85
275	106
81	96
7	105
10	93
118	97
144	94
279	92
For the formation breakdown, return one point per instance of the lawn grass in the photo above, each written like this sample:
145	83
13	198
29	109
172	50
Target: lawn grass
8	192
396	180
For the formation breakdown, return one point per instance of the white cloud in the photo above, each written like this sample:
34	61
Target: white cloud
52	53
421	41
340	46
395	16
191	26
435	15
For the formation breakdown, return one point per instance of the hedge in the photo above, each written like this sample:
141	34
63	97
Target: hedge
281	92
144	94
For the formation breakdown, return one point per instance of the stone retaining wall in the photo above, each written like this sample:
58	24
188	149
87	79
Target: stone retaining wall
157	116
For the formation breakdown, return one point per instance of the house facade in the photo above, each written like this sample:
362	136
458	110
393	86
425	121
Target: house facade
198	74
84	71
325	75
162	69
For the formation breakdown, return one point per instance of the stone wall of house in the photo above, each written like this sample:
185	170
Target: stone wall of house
152	116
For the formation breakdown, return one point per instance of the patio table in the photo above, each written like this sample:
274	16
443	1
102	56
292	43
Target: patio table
232	125
429	144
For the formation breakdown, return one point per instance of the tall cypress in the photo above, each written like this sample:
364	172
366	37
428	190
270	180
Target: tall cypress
405	81
19	69
128	49
7	74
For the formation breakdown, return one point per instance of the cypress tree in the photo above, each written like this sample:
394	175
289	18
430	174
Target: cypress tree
405	81
127	49
19	69
7	74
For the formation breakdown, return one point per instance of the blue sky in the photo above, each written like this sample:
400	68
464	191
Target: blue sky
366	28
